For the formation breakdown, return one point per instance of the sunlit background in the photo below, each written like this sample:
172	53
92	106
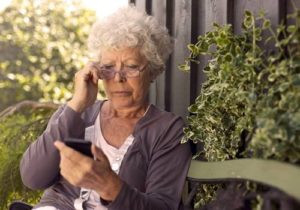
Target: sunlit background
101	7
42	45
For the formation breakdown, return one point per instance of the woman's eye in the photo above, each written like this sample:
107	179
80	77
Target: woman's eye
107	67
132	67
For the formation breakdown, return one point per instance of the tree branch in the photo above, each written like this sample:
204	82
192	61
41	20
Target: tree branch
27	103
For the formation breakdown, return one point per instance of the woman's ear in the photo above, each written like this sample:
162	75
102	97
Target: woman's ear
152	76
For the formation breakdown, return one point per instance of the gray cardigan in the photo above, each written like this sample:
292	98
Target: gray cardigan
153	169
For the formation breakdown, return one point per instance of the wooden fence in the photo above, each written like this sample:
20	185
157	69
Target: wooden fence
186	19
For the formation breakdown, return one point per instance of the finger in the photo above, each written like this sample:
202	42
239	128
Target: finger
68	152
66	165
95	65
83	74
88	75
98	153
59	145
77	178
76	172
90	72
95	75
71	167
70	174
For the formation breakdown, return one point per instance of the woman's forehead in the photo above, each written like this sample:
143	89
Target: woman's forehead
122	54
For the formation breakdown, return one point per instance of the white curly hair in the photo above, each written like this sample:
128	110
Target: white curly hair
128	27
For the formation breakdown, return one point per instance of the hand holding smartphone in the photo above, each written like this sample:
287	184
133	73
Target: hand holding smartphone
80	145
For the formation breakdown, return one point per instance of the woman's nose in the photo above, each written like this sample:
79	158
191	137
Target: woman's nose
119	77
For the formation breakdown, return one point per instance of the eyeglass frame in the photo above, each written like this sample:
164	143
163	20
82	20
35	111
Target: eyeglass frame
122	73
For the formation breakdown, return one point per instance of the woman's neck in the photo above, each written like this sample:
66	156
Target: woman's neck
124	112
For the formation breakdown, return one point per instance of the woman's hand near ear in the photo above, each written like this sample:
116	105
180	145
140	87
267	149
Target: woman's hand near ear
85	88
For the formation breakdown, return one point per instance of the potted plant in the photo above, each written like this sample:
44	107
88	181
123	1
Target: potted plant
249	105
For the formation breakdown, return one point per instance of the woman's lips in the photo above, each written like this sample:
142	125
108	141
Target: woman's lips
121	93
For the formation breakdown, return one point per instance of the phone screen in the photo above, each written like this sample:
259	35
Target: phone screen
80	145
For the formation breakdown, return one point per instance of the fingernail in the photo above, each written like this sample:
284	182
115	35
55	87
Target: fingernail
57	143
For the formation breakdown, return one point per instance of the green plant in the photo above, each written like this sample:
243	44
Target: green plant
249	105
42	45
18	130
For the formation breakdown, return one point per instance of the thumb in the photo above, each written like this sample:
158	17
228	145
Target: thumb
98	154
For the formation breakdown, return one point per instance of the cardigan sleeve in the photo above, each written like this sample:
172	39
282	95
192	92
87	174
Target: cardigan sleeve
165	176
39	166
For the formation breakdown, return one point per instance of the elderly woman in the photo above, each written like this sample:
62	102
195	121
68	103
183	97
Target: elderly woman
139	162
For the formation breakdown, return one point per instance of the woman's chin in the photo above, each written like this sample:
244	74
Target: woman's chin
122	102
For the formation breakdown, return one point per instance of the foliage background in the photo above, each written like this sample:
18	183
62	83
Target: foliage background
18	130
249	105
42	45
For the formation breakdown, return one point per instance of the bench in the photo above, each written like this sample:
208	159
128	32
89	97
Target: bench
282	176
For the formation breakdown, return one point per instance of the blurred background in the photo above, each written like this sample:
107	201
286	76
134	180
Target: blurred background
42	45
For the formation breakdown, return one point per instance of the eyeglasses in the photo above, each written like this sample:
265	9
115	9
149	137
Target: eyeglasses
108	72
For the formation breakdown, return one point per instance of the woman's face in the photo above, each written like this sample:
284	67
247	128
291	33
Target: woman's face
126	92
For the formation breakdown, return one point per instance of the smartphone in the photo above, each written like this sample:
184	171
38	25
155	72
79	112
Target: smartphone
80	145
